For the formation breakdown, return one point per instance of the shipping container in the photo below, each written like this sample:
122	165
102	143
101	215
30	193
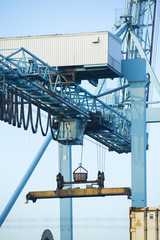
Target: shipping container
145	223
88	54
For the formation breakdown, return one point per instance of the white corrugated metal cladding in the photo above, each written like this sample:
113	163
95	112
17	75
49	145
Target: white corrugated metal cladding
69	49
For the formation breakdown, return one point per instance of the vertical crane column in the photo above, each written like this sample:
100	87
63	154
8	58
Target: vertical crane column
135	72
65	161
138	143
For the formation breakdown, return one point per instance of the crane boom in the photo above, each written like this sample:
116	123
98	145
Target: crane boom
63	99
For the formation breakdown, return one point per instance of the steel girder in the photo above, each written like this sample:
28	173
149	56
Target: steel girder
78	192
37	80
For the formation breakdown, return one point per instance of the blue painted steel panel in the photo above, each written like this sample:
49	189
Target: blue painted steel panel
135	71
65	161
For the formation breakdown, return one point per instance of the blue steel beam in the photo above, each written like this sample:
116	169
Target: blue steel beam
34	78
24	180
135	72
152	74
121	30
111	91
65	168
140	17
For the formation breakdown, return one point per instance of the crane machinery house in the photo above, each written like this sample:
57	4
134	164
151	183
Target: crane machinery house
86	56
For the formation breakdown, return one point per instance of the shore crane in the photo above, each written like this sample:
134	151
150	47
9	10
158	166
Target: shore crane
25	79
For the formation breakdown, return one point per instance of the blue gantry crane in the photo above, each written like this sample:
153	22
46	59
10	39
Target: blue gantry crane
72	111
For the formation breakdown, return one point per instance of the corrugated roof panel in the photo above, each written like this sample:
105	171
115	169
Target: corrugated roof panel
69	49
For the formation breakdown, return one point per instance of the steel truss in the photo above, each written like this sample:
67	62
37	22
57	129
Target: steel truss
24	75
135	25
136	28
35	81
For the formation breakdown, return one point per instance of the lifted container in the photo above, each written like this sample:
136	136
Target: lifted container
145	223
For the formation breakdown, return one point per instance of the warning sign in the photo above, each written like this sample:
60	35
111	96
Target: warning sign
138	223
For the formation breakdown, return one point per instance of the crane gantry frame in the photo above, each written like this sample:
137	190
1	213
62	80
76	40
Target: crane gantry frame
31	80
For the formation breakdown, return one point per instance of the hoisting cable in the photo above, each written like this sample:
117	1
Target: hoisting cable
80	164
101	155
98	157
104	167
102	159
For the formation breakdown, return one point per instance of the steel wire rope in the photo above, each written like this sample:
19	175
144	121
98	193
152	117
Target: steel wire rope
81	154
80	164
99	165
92	141
102	154
97	156
104	159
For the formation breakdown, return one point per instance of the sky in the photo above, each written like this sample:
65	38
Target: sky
105	218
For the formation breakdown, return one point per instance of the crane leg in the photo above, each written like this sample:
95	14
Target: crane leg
24	180
65	162
135	72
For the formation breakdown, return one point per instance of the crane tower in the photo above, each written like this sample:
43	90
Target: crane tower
72	111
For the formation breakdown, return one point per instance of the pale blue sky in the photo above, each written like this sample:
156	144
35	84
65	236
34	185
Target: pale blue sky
21	18
104	218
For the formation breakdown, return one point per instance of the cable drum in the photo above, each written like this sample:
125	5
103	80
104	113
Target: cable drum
47	235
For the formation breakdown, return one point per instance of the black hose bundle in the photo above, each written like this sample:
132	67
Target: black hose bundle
12	111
